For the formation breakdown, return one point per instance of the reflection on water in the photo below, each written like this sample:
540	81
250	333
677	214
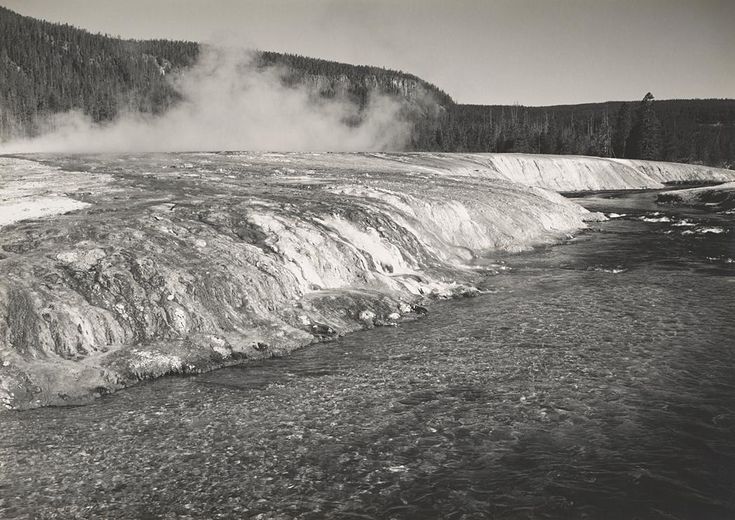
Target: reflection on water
593	380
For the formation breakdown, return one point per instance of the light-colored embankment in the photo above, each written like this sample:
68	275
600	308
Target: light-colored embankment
721	196
178	263
566	173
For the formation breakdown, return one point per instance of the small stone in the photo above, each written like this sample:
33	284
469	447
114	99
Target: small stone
6	363
170	297
200	243
367	315
394	316
418	309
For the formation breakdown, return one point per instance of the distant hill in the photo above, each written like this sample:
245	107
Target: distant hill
47	68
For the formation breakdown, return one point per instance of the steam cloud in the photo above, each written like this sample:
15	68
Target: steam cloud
230	104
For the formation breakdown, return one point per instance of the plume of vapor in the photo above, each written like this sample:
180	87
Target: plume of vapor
228	103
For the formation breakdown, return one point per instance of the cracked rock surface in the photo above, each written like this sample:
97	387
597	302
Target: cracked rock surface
130	267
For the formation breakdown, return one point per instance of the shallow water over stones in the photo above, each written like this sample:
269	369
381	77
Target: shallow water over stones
592	380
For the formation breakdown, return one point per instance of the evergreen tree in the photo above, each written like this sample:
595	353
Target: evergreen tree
623	123
644	141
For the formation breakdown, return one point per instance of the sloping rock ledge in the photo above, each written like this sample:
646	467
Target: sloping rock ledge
132	267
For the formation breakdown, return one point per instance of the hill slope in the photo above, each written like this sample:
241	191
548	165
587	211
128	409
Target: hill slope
48	68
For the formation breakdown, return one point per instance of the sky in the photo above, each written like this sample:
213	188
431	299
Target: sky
531	52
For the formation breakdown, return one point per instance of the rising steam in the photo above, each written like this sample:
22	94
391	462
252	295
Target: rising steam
228	103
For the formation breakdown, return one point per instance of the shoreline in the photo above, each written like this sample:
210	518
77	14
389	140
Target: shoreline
184	263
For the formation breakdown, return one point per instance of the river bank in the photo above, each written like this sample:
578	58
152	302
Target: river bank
589	380
721	196
180	263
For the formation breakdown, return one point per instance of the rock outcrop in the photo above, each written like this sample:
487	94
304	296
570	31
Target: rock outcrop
566	173
721	196
176	263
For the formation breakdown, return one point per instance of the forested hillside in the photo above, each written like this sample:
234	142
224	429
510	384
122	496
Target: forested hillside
48	68
687	130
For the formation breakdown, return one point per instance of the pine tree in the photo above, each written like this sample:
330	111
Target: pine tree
623	123
644	141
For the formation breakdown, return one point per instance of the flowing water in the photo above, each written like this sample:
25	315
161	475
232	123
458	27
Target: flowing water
592	380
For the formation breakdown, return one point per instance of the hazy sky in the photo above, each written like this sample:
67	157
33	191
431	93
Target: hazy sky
534	52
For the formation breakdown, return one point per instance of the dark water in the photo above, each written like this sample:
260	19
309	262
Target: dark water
594	380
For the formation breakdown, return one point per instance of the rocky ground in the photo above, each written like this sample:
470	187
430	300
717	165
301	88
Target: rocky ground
721	196
115	269
132	267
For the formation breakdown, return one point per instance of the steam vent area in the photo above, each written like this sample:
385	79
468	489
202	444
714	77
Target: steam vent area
120	268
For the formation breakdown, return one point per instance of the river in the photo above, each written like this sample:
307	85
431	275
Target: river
594	379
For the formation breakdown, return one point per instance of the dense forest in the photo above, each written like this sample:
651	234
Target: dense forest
48	68
690	131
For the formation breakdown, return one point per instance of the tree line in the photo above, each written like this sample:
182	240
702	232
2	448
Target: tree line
690	131
47	68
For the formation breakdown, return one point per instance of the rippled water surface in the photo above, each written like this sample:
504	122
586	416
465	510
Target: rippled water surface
592	380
